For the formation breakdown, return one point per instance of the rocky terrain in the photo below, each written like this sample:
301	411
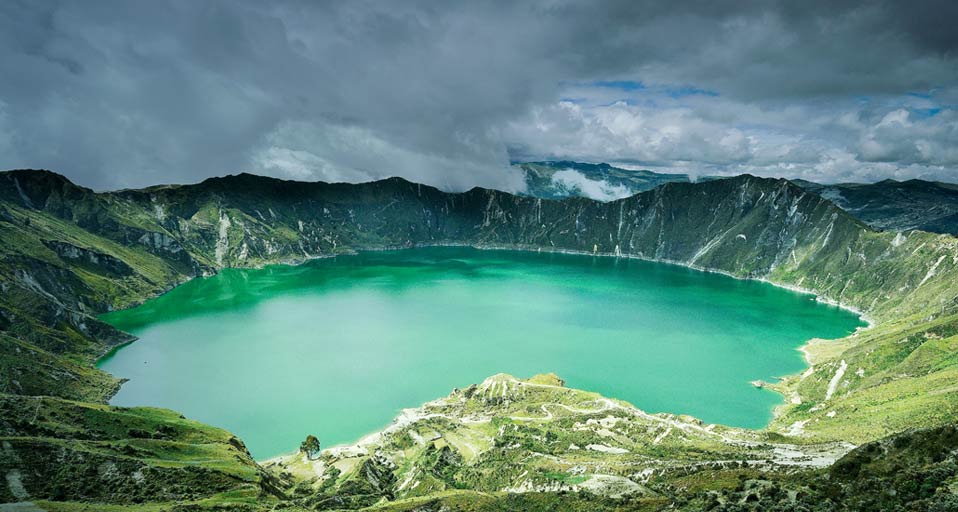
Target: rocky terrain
888	205
896	205
68	254
511	435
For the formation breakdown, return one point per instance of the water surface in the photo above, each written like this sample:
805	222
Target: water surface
336	347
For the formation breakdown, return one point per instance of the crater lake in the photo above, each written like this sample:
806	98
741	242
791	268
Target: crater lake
336	347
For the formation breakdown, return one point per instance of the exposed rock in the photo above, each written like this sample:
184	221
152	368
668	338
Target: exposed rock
85	257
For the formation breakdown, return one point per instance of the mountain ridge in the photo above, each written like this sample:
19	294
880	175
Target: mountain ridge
887	205
897	205
565	178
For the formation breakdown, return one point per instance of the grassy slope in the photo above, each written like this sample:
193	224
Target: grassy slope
68	253
55	275
28	370
574	450
915	470
117	454
898	372
507	433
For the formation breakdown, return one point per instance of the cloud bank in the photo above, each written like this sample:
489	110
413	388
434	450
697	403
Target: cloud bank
121	94
570	180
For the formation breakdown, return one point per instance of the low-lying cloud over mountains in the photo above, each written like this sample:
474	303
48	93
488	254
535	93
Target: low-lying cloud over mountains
120	94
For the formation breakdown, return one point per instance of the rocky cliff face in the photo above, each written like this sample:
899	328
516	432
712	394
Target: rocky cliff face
888	205
746	226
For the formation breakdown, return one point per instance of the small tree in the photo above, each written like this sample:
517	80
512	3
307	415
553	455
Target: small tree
310	446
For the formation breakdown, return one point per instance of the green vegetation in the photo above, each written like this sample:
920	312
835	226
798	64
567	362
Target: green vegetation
68	254
469	451
63	449
310	447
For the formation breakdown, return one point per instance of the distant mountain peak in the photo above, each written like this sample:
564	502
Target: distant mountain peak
600	181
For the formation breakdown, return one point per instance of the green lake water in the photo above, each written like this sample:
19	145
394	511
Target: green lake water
336	347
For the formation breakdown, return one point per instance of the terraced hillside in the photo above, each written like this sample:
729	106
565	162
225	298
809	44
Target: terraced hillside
67	254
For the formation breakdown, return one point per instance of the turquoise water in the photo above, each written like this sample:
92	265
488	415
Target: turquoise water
337	347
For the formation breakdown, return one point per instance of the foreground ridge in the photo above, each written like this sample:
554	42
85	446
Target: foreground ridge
508	435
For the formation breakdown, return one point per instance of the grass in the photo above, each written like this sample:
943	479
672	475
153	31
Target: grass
58	438
898	377
29	370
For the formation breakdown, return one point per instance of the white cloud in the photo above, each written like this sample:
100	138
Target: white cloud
135	93
904	138
838	140
569	180
336	153
625	132
300	165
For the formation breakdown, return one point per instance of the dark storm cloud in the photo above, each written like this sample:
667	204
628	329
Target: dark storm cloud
121	94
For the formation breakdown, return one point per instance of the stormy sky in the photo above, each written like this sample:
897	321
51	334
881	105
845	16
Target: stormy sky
132	93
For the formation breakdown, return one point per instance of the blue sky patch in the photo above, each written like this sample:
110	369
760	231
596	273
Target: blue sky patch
625	85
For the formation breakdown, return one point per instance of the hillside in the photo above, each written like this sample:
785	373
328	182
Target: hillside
556	180
508	442
68	253
507	434
888	205
896	205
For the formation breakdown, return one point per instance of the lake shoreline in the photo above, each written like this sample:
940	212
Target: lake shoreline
805	348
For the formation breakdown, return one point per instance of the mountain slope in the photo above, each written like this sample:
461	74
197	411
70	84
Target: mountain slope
896	205
511	444
556	180
888	205
67	253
